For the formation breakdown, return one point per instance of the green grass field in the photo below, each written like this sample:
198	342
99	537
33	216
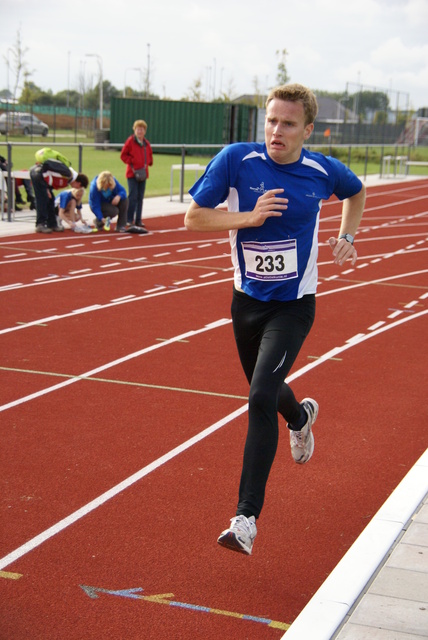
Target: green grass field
96	160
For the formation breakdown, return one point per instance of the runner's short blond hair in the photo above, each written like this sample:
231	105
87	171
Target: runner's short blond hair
297	93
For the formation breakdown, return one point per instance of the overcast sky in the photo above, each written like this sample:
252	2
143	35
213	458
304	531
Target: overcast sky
225	43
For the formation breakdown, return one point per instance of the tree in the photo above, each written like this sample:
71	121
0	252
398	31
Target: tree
72	97
282	76
30	92
195	91
371	101
17	65
92	96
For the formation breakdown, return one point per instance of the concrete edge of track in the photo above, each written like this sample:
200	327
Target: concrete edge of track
328	609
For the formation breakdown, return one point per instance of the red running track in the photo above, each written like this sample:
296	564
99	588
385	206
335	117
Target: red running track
123	417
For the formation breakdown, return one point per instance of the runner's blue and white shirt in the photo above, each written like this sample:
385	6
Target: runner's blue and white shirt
277	261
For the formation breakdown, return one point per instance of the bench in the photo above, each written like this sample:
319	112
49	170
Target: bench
415	163
187	167
399	166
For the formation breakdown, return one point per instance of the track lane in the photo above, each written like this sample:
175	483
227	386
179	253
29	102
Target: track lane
115	547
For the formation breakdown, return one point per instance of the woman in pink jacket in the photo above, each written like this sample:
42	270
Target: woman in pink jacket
138	156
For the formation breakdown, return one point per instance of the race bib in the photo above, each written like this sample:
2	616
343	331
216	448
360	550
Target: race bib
270	260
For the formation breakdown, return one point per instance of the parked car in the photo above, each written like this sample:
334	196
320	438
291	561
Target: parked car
24	122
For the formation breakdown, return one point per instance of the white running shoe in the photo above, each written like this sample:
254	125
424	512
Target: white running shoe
83	228
240	536
302	442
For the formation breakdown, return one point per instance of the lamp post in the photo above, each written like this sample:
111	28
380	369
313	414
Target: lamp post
124	82
68	80
8	70
100	64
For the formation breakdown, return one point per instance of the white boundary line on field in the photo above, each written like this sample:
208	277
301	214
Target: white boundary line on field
125	484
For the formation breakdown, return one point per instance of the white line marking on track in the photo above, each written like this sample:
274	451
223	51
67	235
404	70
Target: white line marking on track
92	307
124	298
11	286
376	325
125	484
209	284
114	363
52	277
111	493
159	287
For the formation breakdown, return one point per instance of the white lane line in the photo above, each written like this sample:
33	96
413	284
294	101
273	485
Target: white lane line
158	292
124	298
111	493
159	287
91	506
152	265
51	277
11	286
376	325
196	286
109	365
92	307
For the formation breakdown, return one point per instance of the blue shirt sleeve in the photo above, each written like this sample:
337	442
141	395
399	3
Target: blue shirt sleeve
95	199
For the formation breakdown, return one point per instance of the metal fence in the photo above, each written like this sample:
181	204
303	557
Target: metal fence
387	158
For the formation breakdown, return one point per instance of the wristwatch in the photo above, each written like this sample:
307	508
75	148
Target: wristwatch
347	237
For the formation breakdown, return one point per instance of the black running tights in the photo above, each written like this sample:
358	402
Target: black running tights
269	336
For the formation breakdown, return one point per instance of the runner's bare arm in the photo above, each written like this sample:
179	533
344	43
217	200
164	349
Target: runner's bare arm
352	212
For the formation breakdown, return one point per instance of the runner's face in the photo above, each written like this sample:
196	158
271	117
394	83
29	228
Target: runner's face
285	130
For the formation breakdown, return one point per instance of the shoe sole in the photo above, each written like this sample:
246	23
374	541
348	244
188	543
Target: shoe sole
229	541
